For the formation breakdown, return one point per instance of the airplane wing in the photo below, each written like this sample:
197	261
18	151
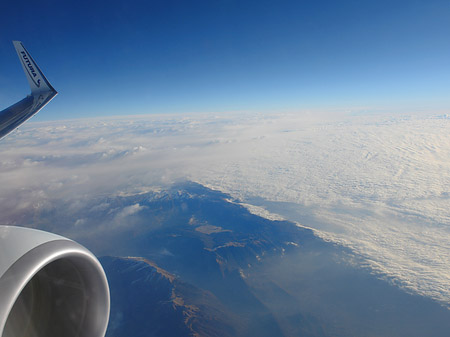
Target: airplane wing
41	93
49	285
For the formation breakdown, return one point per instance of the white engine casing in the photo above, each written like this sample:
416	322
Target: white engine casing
50	286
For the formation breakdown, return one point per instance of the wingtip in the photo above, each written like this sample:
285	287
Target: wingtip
36	79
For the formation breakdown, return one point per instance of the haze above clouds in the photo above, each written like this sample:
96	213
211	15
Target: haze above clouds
377	184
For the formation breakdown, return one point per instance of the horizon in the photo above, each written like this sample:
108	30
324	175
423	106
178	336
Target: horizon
176	57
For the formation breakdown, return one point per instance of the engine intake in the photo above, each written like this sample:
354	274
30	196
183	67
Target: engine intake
50	286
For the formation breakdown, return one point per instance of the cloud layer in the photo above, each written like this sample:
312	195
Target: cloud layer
379	185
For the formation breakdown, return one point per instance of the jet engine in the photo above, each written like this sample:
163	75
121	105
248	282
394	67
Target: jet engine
50	286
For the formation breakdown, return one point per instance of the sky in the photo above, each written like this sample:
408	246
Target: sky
246	78
147	57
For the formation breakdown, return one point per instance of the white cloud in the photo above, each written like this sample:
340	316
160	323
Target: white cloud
377	184
130	210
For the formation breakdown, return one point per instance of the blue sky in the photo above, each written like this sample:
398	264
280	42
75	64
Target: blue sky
136	57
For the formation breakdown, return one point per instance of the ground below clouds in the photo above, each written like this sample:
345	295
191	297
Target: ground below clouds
253	277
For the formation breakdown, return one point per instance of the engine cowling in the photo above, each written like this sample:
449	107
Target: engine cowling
50	286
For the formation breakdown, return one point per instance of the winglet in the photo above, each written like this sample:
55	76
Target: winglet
37	80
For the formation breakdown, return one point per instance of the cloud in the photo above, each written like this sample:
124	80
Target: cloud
379	185
129	210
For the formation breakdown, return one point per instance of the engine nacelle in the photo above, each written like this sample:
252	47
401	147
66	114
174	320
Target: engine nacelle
50	286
